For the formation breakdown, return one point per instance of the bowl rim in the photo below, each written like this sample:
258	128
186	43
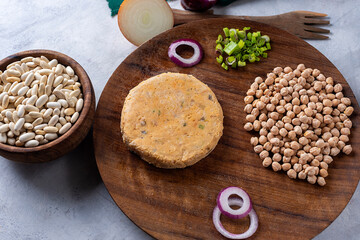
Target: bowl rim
85	85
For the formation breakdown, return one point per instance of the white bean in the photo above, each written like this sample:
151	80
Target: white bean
48	113
53	120
65	128
19	124
50	129
53	105
69	71
57	81
40	126
31	108
4	128
51	136
41	101
22	91
32	143
26	137
32	100
3	137
74	117
79	104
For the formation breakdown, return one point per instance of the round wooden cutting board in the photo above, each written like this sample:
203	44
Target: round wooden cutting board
178	204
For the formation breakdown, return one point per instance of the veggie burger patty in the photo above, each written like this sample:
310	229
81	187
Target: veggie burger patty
171	120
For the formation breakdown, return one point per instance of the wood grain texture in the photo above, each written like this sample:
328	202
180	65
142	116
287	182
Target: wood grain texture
73	137
178	204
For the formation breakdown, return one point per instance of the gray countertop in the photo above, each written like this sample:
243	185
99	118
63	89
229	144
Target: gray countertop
66	199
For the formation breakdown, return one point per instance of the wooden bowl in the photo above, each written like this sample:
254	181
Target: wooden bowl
72	138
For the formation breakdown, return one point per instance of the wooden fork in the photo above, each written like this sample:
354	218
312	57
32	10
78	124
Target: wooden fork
299	23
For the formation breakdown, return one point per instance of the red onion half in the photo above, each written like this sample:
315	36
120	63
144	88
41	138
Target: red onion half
186	62
223	202
254	222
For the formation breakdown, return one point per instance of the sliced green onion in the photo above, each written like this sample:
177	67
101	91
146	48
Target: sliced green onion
224	66
266	38
241	34
220	59
219	48
231	48
241	46
230	60
241	64
226	32
220	39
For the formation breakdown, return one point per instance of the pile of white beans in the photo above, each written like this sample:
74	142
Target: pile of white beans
303	121
40	100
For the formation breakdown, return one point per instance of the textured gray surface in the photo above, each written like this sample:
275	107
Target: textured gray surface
66	199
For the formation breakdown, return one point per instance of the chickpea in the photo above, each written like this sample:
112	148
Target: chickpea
328	119
321	181
286	166
297	167
294	160
269	81
333	141
310	170
302	175
311	179
348	111
277	70
267	162
338	88
275	141
250	118
248	99
254	141
257	125
248	126
274	115
326	150
270	107
346	101
263	132
345	131
315	151
276	166
286	159
334	151
292	174
347	149
344	138
323	172
264	154
258	148
288	152
248	108
258	80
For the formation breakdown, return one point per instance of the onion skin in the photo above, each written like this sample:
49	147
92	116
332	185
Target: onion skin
198	5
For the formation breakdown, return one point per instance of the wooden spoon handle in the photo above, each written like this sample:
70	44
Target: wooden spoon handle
181	17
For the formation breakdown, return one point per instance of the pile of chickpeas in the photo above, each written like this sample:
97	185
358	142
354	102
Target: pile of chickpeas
303	121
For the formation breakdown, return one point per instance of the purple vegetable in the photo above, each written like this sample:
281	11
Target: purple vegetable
198	5
185	62
224	206
254	221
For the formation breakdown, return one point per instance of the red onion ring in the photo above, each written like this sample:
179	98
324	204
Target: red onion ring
223	202
186	62
254	222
